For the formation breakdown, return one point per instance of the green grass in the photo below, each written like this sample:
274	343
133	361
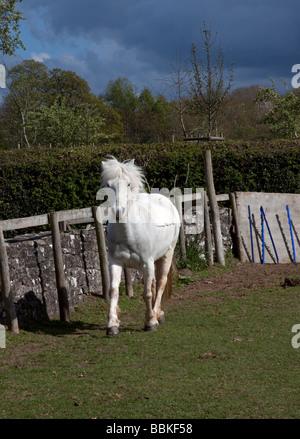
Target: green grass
219	355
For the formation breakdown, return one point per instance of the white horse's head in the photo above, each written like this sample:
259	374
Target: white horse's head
125	179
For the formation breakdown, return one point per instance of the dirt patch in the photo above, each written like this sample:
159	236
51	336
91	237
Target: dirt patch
244	277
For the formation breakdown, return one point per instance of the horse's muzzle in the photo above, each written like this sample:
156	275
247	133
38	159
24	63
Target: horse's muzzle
119	213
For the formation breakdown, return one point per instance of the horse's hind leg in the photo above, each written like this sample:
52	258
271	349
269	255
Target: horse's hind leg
112	326
163	266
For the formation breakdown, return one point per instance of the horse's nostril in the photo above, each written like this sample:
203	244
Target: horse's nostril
119	212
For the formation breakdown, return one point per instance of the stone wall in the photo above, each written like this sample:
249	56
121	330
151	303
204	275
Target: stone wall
32	272
226	229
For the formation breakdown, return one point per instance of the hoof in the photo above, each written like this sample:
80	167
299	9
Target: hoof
161	320
151	328
113	330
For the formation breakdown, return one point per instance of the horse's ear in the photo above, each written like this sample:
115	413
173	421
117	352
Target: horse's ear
129	162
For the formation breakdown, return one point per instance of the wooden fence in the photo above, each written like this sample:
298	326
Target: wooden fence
86	215
77	216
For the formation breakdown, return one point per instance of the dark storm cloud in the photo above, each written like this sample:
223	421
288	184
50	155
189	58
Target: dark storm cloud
260	37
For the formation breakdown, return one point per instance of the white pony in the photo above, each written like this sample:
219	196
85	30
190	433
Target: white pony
142	234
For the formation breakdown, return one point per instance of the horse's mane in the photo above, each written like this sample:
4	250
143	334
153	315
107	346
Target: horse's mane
113	169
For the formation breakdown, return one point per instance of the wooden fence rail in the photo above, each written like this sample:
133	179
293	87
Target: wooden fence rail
75	216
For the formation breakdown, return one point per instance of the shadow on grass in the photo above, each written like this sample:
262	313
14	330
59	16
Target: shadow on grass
58	328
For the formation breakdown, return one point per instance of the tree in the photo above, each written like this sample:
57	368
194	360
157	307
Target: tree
67	85
161	112
240	116
282	111
151	118
178	81
144	117
63	125
121	95
113	126
146	99
9	29
208	91
31	115
27	85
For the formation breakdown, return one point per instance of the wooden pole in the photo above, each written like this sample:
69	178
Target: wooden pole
61	283
11	316
214	208
241	253
208	239
102	251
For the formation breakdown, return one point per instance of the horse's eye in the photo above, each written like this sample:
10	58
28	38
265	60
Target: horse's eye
128	184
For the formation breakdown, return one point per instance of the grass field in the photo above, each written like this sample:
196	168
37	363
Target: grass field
222	353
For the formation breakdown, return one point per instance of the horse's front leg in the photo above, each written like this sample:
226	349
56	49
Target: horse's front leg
151	322
112	327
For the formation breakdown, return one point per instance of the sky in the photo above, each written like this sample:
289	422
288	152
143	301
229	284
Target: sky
102	40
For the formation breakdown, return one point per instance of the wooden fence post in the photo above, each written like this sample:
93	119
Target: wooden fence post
214	208
239	243
61	283
102	251
11	316
207	228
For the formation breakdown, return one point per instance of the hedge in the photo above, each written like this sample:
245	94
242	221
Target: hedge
43	180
